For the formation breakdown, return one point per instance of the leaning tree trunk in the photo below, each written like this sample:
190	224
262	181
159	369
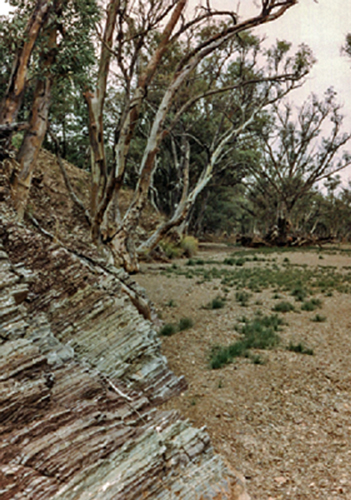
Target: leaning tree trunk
38	123
32	142
121	148
188	200
95	101
122	247
181	212
12	99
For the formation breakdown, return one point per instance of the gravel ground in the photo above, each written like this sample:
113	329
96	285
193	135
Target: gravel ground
286	424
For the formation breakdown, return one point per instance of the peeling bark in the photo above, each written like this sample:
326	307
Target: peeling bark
32	142
38	123
12	99
95	101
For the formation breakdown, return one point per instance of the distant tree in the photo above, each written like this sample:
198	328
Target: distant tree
232	110
296	153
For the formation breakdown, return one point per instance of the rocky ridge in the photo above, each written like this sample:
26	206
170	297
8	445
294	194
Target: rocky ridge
80	381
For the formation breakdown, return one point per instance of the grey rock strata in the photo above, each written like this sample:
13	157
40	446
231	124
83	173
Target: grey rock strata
81	375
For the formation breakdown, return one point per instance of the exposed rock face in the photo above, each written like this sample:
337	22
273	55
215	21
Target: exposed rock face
81	374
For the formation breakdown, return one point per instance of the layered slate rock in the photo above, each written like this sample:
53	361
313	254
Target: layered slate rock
81	375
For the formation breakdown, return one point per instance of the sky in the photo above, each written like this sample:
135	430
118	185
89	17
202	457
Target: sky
323	26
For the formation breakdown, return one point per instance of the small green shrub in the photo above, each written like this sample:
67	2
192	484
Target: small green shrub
216	303
171	250
299	293
284	307
319	319
189	245
185	324
171	303
168	329
195	262
260	333
240	262
257	359
229	261
300	348
243	298
311	305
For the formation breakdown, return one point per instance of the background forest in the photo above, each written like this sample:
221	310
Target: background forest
182	105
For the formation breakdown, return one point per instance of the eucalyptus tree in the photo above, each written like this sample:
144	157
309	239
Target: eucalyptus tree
134	40
136	81
298	152
231	111
56	45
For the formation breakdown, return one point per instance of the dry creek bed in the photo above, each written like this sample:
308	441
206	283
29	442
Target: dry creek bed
285	424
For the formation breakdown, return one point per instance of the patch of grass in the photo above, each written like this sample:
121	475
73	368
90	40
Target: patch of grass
216	303
319	319
299	293
189	245
185	324
292	278
221	356
300	348
195	262
259	333
284	307
311	305
257	359
240	262
243	298
168	329
171	303
171	250
229	261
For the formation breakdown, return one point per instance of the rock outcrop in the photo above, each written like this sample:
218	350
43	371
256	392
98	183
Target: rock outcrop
81	376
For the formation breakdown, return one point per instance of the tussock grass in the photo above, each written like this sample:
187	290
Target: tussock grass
171	303
170	329
319	319
259	333
284	307
185	324
243	298
311	305
189	245
299	280
299	292
300	348
216	303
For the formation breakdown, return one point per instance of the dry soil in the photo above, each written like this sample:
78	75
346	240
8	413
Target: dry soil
285	424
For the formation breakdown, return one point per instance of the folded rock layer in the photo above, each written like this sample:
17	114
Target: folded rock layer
81	376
